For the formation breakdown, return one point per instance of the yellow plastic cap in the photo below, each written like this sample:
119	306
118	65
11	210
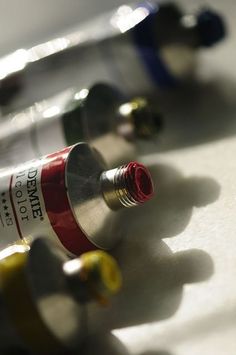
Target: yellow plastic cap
102	273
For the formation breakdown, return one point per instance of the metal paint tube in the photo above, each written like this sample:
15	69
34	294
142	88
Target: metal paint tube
43	296
70	197
137	46
100	115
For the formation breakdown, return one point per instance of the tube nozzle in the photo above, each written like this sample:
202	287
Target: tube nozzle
140	119
127	186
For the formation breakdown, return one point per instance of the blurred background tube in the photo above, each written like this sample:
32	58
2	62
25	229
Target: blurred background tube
101	115
137	46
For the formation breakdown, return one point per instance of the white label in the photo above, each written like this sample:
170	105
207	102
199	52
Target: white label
22	209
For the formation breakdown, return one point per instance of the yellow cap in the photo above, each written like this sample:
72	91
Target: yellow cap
102	273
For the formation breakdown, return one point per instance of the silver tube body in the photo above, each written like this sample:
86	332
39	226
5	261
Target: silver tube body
42	128
60	196
101	49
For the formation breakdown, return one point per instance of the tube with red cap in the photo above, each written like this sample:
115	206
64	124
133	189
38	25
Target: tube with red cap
70	197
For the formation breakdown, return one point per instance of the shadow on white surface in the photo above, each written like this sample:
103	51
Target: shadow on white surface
156	353
106	343
153	283
154	276
170	210
196	113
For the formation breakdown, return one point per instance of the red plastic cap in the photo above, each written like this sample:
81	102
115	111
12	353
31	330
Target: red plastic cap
139	182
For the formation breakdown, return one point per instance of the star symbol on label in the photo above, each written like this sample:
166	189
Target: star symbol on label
5	208
3	193
4	201
7	214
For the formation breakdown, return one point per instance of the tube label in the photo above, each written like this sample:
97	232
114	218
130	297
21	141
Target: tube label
22	208
34	203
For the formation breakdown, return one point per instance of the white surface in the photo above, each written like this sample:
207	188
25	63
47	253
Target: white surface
183	303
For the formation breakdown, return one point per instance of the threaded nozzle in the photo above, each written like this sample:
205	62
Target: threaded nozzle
140	119
127	186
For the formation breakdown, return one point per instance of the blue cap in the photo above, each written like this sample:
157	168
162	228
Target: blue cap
211	27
